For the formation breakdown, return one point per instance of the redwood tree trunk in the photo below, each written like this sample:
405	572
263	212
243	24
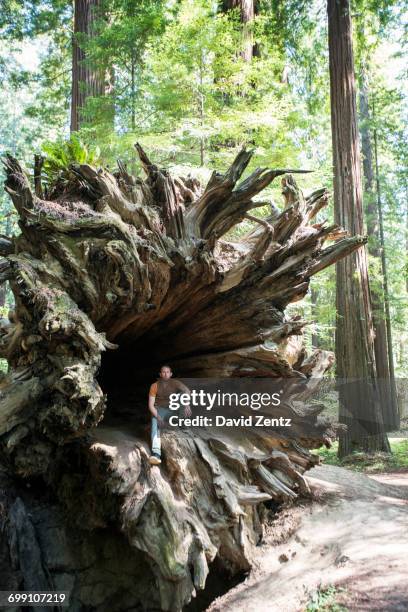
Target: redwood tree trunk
393	411
247	13
406	236
87	80
379	294
355	356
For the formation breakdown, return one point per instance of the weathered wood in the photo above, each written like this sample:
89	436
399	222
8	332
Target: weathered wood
113	262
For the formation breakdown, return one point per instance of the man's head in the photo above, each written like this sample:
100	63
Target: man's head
165	372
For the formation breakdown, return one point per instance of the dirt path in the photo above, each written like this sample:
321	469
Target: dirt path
353	535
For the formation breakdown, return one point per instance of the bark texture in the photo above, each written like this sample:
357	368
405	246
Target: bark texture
246	10
355	356
380	300
145	270
87	80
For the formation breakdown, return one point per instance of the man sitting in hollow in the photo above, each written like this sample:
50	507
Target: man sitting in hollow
159	395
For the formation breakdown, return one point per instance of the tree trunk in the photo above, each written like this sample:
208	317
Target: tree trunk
143	267
380	299
406	237
393	417
87	80
247	13
354	331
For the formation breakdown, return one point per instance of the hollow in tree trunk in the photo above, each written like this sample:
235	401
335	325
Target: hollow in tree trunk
112	275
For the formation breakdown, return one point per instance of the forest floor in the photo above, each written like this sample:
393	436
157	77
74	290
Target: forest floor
372	464
345	549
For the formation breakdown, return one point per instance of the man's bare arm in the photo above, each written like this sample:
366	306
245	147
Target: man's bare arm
152	408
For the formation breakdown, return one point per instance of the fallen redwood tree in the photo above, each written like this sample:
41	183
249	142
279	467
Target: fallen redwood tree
112	275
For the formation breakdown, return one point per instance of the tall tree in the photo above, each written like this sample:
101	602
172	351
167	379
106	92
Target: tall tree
246	10
380	298
406	238
393	417
87	79
126	29
359	407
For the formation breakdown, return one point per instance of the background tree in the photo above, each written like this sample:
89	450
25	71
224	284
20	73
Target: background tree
376	248
88	80
355	358
120	45
371	22
246	12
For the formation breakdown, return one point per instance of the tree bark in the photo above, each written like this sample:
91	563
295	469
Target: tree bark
87	79
406	237
247	13
354	331
143	267
393	417
380	299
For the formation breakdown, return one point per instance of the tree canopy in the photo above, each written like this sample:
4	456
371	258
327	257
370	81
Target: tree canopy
176	80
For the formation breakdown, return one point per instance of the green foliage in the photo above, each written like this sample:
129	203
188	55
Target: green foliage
324	600
52	83
19	20
123	30
370	464
60	155
175	80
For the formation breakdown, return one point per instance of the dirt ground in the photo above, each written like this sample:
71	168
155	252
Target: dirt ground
353	534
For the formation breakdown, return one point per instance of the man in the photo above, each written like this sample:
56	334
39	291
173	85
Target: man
159	395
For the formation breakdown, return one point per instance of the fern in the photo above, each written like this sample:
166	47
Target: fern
62	154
